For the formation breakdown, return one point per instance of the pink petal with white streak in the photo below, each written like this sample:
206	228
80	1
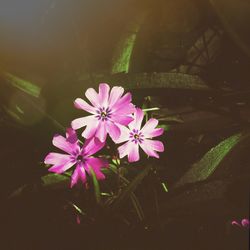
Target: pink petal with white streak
79	174
127	109
93	97
122	119
71	136
56	158
149	126
155	145
91	146
131	150
138	117
62	143
83	121
133	153
113	130
149	151
61	168
115	95
81	104
104	94
96	164
91	128
101	132
154	133
150	147
124	134
124	149
123	103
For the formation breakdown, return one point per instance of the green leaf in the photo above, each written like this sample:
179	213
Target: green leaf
150	109
123	52
116	161
131	187
55	180
157	81
96	186
78	209
164	185
211	161
26	106
23	85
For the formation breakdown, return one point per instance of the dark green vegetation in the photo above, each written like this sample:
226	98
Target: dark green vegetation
191	73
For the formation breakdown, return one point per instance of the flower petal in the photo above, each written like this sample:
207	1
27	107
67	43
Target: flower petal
155	145
138	117
96	164
101	132
81	104
149	126
134	153
122	119
91	128
79	173
131	150
93	97
62	143
71	136
83	121
150	147
61	168
115	94
149	151
127	109
124	134
56	158
123	102
124	149
113	130
104	94
154	133
91	146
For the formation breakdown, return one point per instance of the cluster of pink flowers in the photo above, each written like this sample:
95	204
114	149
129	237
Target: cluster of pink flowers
113	114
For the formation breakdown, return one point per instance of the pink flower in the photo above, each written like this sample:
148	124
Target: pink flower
76	155
108	110
243	223
137	136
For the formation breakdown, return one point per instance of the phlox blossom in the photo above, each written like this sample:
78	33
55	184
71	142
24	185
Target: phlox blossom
80	156
108	110
136	137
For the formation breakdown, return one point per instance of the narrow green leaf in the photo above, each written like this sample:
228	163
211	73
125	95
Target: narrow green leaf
124	49
25	86
212	159
78	209
150	109
164	187
106	194
116	161
96	186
